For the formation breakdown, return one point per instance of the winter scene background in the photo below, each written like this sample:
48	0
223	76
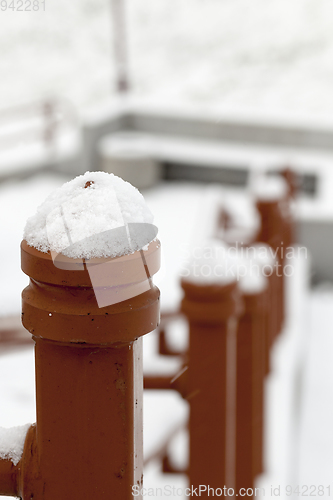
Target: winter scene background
260	56
257	58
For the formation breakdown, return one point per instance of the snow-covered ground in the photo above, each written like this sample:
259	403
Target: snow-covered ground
258	56
316	429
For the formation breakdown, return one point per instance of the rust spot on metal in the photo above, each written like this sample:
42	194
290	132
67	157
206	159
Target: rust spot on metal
88	184
121	385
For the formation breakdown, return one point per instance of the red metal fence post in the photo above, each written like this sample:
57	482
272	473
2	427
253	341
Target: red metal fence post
212	312
251	370
87	442
262	257
8	478
275	231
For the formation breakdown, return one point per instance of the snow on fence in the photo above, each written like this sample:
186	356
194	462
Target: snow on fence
87	441
32	136
234	317
38	121
89	363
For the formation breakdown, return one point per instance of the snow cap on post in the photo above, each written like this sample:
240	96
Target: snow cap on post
12	442
269	188
211	263
100	224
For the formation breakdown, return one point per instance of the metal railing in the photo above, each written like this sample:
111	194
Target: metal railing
35	122
217	367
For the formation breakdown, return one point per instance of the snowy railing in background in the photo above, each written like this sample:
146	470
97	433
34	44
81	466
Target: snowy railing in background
37	122
12	334
224	368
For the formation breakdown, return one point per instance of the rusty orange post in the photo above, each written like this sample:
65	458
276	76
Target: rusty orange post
261	257
87	441
289	208
273	318
212	311
251	338
275	230
8	478
292	180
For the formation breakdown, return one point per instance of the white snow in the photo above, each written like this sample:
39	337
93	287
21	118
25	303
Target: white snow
256	262
82	214
241	209
126	144
268	188
210	263
17	201
252	284
249	269
259	56
156	364
12	442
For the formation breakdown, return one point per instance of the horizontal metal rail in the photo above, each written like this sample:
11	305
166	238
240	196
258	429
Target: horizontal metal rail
36	122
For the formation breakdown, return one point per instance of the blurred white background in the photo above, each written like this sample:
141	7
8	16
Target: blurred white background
268	56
